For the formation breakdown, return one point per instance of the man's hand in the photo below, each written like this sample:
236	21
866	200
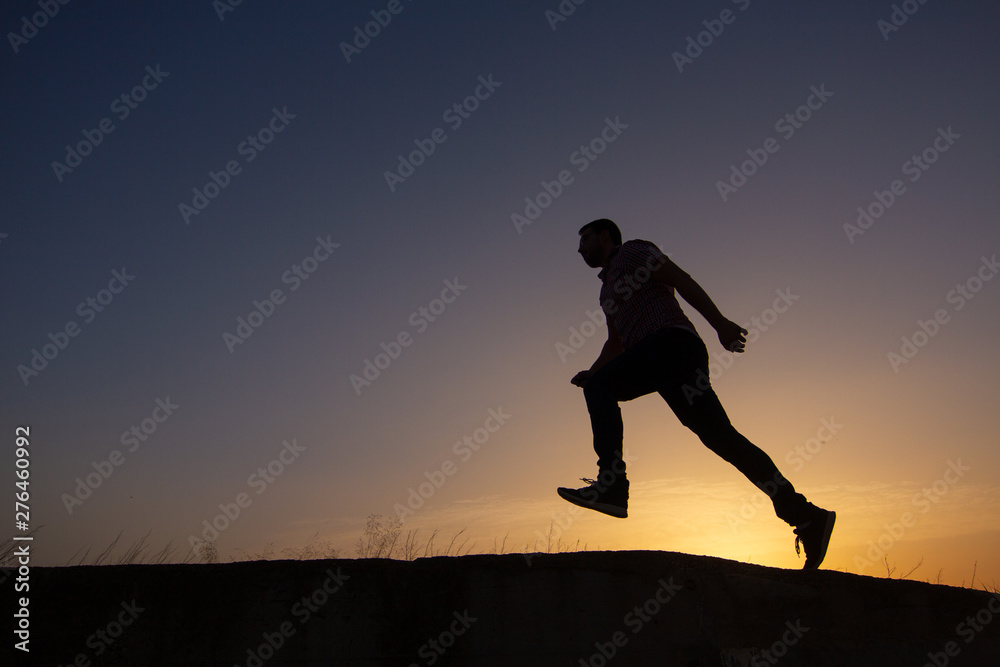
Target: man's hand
580	378
732	336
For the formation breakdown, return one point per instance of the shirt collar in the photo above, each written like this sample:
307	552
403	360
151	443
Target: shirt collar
604	271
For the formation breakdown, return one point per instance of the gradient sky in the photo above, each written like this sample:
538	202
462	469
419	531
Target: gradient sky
901	431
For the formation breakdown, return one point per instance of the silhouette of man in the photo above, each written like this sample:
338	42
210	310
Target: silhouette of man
652	346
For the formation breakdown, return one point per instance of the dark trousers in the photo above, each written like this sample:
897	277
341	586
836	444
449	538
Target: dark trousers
674	363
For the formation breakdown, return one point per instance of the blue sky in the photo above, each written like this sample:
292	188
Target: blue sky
317	188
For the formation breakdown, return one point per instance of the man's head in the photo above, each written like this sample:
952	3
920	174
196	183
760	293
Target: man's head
597	240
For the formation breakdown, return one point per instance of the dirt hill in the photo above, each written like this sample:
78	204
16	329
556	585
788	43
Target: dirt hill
588	608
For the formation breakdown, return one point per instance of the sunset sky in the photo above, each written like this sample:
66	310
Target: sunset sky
214	219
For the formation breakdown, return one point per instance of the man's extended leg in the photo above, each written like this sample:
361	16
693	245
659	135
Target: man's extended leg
690	395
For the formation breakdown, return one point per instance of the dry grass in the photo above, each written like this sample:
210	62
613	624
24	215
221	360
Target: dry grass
137	552
890	569
315	549
382	538
555	545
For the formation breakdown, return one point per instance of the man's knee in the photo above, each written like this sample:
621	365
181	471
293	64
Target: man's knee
703	420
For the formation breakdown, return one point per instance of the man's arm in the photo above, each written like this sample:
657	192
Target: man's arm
612	348
731	335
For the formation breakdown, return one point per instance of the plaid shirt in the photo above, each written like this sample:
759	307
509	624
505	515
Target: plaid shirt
632	301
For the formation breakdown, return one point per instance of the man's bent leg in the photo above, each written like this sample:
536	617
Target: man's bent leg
631	374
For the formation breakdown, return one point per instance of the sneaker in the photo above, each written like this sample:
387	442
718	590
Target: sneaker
611	499
815	537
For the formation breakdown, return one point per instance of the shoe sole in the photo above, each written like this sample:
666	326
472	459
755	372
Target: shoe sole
831	518
611	510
